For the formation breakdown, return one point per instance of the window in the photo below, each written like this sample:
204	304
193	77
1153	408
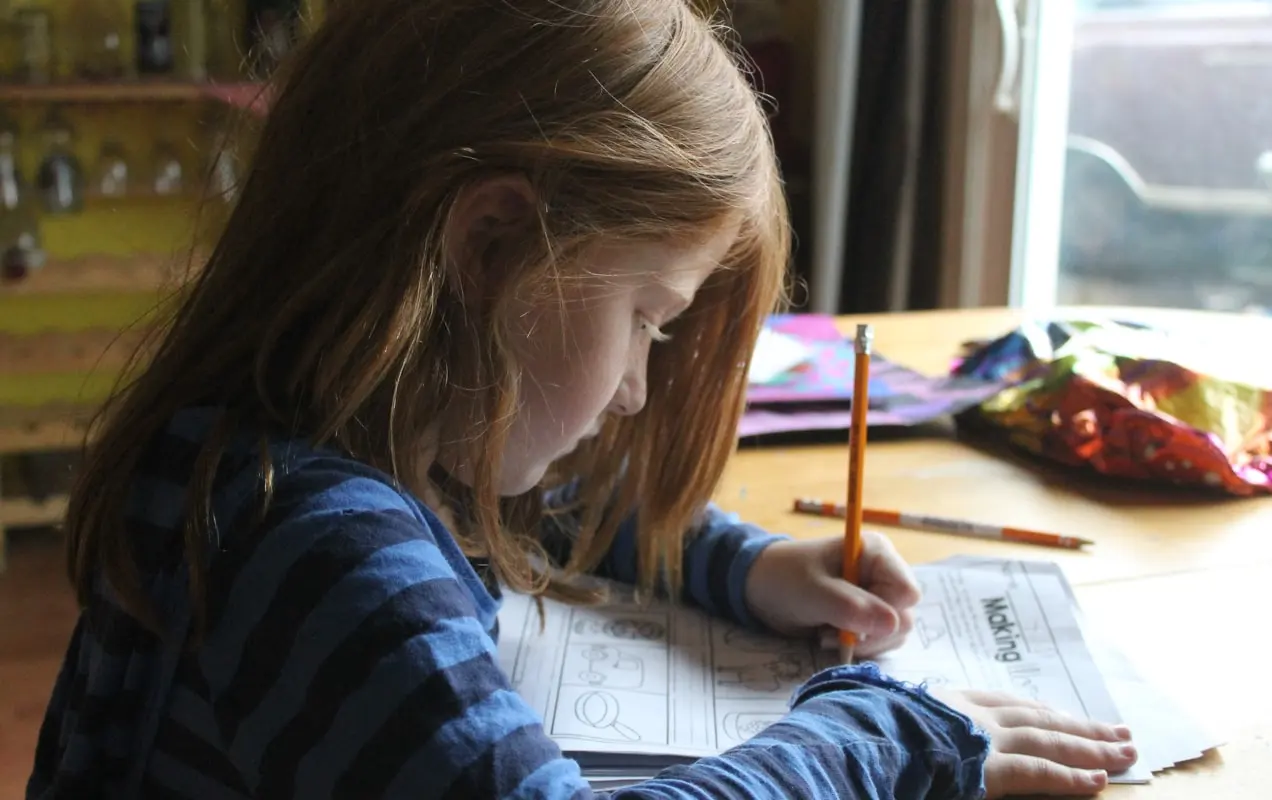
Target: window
1153	186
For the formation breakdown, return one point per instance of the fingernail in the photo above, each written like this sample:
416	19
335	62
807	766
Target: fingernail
1127	750
1123	732
885	625
1097	778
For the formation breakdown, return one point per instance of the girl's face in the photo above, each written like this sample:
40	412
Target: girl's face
584	353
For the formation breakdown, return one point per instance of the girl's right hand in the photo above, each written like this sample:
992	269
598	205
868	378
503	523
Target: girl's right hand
1034	750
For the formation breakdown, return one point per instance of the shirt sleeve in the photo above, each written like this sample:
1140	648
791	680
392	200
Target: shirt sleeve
347	658
718	554
852	733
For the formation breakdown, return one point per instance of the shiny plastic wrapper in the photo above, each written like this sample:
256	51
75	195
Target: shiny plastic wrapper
1130	401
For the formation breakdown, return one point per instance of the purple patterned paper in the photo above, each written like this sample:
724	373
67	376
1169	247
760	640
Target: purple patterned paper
911	399
828	375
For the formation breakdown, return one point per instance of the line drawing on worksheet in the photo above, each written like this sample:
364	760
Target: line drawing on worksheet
656	678
1005	629
667	680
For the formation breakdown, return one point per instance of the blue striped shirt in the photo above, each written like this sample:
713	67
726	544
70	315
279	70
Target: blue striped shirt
350	653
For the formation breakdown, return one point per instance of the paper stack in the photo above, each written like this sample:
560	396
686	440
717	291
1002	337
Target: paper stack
1165	734
801	381
628	690
776	354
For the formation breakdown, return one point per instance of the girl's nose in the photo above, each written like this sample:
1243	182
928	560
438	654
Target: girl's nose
630	398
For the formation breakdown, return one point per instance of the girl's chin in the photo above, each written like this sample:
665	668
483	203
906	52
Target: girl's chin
527	478
531	476
511	486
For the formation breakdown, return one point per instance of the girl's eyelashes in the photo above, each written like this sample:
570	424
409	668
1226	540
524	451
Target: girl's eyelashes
653	331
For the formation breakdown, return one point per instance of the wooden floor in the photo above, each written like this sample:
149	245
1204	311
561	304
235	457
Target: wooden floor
37	613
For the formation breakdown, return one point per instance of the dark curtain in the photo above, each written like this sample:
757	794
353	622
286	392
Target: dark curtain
893	229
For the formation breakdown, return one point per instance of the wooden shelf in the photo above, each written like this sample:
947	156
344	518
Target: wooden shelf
102	349
110	92
243	95
253	97
139	192
62	429
22	511
115	274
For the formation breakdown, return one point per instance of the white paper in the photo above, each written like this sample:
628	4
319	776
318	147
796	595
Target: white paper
1005	630
775	354
659	680
1005	627
1165	734
625	688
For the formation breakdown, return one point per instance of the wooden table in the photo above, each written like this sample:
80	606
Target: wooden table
1186	579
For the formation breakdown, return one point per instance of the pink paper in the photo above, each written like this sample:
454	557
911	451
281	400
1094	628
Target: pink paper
829	373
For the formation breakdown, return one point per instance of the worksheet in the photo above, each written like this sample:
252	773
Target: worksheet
670	683
1165	733
660	679
1001	627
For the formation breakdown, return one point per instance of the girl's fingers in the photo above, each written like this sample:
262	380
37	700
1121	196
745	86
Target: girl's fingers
874	647
886	573
1000	700
1066	748
851	608
870	646
1045	719
1010	774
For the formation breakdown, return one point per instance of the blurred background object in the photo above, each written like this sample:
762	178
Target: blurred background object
59	178
1166	183
120	128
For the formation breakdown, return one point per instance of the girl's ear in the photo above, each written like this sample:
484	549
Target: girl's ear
486	230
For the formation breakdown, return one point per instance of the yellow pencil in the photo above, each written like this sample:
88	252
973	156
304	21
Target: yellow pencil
856	470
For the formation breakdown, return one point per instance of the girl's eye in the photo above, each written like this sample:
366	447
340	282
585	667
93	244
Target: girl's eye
652	330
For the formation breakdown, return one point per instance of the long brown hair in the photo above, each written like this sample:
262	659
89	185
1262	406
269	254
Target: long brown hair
326	308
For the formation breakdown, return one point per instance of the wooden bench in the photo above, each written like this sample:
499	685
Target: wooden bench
35	435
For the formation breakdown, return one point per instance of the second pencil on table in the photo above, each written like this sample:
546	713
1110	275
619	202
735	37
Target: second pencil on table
956	527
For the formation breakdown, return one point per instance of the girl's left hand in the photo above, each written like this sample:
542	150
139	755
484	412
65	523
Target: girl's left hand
796	587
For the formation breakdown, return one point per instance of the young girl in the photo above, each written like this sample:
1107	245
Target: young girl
481	317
